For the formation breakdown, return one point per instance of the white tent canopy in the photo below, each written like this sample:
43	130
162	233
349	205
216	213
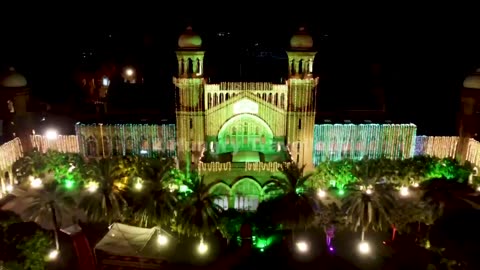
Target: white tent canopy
126	240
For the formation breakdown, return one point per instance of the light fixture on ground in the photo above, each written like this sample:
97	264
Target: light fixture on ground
415	184
364	247
404	192
162	240
92	187
302	246
202	247
36	183
9	188
321	193
369	191
138	185
53	254
51	134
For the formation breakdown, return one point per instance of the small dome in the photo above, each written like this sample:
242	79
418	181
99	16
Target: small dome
189	40
13	79
301	40
473	80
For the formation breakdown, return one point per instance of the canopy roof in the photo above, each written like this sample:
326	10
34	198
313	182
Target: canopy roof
126	240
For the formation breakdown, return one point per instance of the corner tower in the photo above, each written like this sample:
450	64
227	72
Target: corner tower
189	97
302	88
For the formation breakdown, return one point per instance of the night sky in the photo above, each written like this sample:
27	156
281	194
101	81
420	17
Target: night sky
422	56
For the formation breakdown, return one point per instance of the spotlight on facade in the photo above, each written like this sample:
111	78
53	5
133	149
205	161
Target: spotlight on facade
302	246
51	134
404	192
364	247
321	193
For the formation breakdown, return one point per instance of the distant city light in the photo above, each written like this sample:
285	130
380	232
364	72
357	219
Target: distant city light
106	81
51	134
129	72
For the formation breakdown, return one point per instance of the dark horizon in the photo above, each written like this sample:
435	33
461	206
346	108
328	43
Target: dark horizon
423	58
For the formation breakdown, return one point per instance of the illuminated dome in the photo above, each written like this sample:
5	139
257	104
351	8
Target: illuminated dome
189	40
473	80
13	79
301	40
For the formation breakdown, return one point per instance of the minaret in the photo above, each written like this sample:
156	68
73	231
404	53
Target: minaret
302	85
469	116
189	108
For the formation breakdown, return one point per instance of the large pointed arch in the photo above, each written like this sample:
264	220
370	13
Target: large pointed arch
245	132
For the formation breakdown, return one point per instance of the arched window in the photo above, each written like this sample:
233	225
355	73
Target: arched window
117	147
220	193
91	146
106	146
247	194
129	146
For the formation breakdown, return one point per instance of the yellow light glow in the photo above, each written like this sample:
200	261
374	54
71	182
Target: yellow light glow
404	192
245	106
321	193
129	72
162	240
138	186
36	183
53	254
364	247
202	247
302	246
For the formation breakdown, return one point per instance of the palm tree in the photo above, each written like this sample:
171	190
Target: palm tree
105	203
154	204
369	206
48	206
199	214
295	208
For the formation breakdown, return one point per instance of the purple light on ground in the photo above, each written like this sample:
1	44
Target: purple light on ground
330	248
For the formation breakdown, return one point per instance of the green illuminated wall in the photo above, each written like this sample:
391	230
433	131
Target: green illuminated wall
349	141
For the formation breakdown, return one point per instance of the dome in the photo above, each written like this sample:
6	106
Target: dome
189	40
13	79
473	80
301	40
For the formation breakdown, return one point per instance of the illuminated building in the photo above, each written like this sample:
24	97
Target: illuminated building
240	132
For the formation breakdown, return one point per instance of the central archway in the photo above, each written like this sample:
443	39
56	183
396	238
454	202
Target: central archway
245	132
